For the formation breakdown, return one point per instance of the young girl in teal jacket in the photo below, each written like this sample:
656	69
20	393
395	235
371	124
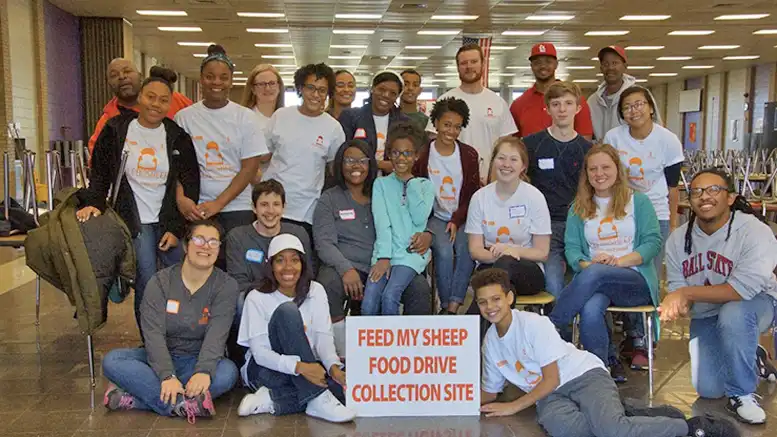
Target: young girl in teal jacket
401	206
611	239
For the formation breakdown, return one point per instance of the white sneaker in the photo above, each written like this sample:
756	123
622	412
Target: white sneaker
256	403
746	409
327	407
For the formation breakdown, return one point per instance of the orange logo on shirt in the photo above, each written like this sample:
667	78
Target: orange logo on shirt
447	189
504	232
205	316
607	229
636	172
147	159
533	378
213	155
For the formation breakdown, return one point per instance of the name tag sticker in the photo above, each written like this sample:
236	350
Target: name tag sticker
172	306
546	164
254	255
517	211
347	214
360	133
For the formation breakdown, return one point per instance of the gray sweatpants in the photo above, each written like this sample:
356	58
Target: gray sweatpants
590	406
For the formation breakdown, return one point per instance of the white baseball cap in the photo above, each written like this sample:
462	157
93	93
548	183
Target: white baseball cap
284	241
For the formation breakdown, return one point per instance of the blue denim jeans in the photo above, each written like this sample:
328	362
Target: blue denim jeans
130	371
453	265
723	347
590	293
556	265
289	393
149	257
383	297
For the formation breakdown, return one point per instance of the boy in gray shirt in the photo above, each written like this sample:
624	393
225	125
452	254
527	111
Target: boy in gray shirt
720	271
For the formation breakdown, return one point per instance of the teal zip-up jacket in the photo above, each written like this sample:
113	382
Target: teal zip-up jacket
400	210
647	242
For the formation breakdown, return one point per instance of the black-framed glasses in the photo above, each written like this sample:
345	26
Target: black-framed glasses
636	106
406	153
355	161
200	241
309	87
712	190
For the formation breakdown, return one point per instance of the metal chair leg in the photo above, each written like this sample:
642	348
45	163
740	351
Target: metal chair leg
648	323
90	350
37	300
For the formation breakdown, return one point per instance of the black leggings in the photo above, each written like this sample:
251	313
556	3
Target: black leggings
526	278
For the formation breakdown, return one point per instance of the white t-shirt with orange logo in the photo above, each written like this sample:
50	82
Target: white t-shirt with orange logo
645	161
223	138
301	147
381	132
606	234
447	176
147	169
489	119
513	221
530	344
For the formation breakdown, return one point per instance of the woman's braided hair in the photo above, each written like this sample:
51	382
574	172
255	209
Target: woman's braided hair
740	204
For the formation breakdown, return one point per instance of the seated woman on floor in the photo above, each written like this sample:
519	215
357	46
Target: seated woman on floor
287	328
186	314
611	239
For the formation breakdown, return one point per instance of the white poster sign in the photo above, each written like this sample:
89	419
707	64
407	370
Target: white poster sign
413	365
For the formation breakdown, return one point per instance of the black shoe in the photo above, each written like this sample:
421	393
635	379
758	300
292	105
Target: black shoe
657	411
711	426
444	312
618	373
766	369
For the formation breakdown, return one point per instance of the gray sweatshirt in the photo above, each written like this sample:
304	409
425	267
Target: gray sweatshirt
177	322
604	108
247	253
344	231
746	261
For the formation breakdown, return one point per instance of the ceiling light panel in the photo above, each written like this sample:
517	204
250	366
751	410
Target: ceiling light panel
741	58
644	47
439	32
194	44
765	32
674	58
719	47
180	29
162	13
691	32
266	30
550	17
358	16
273	46
348	46
353	31
741	17
698	67
607	33
645	17
455	17
261	14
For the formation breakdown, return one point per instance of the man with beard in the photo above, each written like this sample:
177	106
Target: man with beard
489	114
124	81
604	102
529	111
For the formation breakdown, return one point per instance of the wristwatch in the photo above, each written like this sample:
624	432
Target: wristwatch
169	377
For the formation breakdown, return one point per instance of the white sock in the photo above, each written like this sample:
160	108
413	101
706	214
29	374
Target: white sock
338	330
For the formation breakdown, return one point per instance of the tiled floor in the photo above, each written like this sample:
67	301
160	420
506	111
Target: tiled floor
45	390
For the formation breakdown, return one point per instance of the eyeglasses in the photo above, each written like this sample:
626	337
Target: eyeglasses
199	241
636	106
354	161
712	190
270	84
309	87
406	153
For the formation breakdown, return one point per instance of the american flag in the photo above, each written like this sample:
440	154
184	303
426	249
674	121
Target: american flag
485	45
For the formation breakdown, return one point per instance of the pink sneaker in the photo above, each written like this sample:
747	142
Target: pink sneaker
191	408
116	399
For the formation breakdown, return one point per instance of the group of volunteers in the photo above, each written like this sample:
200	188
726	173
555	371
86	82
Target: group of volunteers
271	224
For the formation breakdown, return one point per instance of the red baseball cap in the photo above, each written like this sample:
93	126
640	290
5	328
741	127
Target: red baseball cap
618	50
543	49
